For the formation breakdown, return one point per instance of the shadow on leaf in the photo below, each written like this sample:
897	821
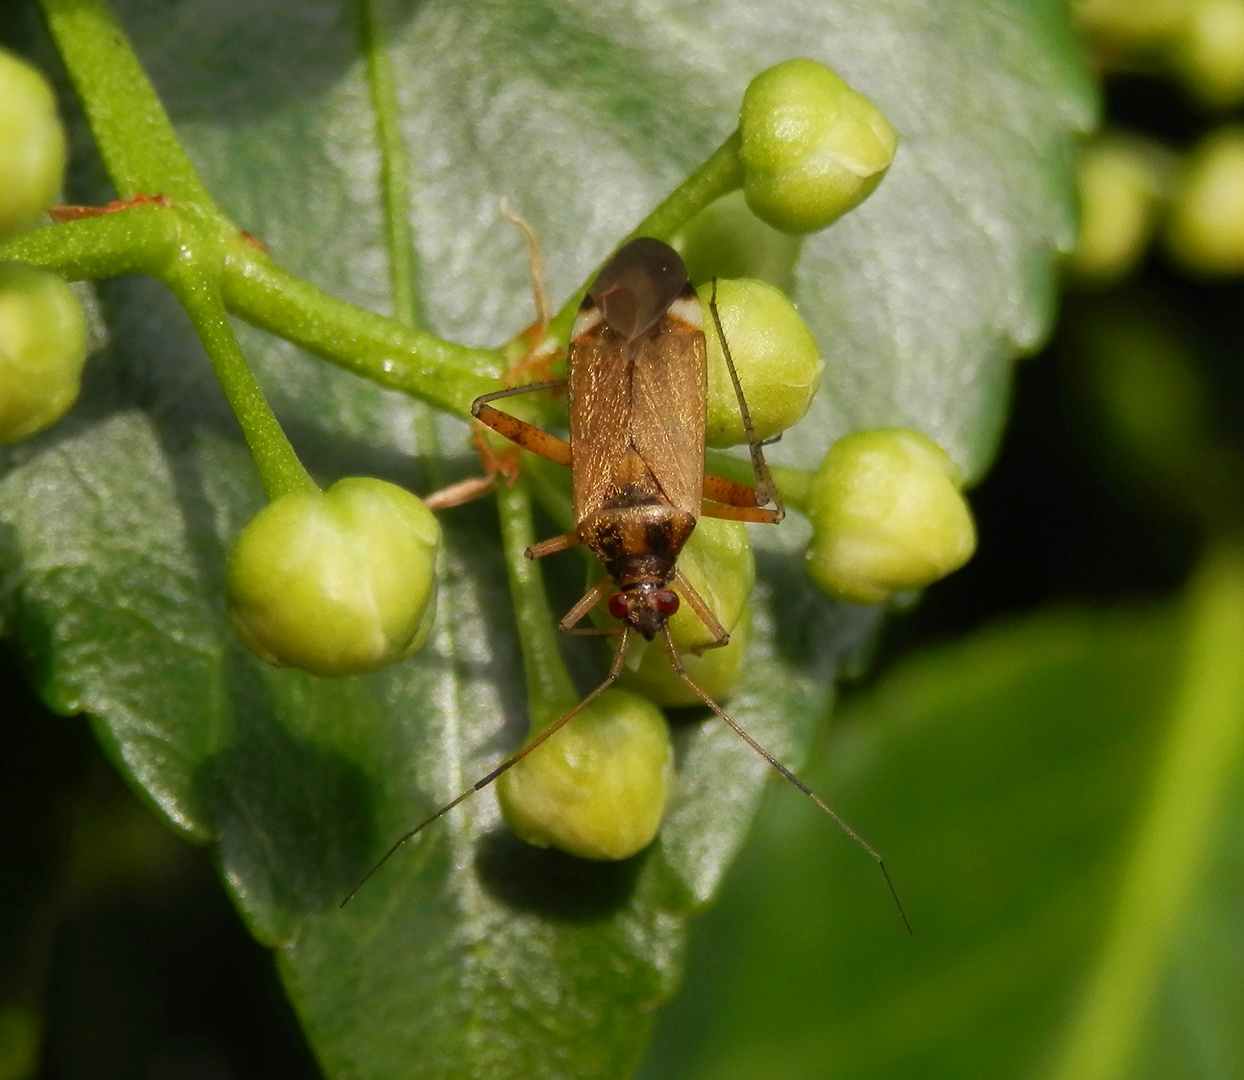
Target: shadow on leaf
552	883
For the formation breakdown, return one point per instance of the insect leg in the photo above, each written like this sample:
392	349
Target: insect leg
590	599
703	612
540	354
766	490
514	391
614	670
464	491
730	492
735	502
708	508
553	545
526	435
867	848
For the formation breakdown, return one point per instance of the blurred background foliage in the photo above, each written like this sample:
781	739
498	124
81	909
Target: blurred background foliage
1046	748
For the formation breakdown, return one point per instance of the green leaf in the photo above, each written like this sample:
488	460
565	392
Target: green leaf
470	955
1061	813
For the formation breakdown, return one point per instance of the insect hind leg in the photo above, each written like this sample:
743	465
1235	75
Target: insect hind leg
528	436
520	432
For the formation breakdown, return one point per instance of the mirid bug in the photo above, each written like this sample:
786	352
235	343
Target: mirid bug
637	380
637	375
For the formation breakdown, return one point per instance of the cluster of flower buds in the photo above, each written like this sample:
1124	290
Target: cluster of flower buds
886	509
342	582
1199	42
1133	189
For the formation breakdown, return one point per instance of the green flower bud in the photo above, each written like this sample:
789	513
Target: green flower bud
1134	24
42	350
32	144
718	562
1121	181
726	240
774	354
336	583
1210	52
887	516
598	787
812	148
715	671
1205	230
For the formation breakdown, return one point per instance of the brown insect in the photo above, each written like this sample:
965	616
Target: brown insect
638	392
637	378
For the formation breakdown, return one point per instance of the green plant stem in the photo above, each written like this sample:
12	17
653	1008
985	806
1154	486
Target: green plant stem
395	199
1204	739
140	239
139	148
439	372
279	468
721	173
394	168
142	155
550	691
149	238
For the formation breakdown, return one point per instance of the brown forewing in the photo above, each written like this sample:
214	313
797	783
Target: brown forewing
669	395
645	400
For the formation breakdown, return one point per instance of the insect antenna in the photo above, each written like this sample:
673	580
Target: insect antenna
535	265
863	844
766	490
614	671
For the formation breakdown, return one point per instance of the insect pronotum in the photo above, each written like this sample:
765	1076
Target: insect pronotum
637	377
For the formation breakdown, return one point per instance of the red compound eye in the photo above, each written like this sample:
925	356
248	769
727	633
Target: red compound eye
617	606
666	601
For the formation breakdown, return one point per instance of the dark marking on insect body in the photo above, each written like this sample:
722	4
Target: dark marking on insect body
638	543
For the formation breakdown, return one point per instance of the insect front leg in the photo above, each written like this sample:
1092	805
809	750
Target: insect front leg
576	614
541	354
535	267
